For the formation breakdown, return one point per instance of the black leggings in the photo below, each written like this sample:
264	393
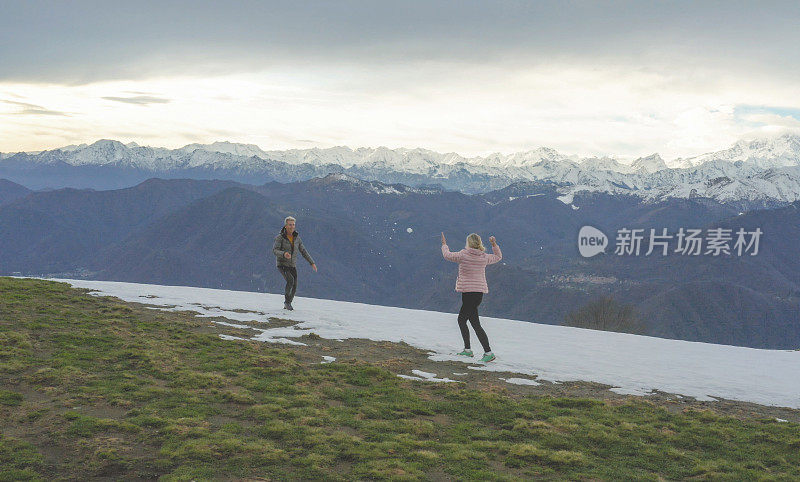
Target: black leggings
290	275
469	311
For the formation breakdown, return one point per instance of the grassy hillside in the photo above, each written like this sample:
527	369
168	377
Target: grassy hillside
93	387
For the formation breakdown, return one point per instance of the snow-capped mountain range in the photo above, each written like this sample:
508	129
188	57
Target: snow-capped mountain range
758	172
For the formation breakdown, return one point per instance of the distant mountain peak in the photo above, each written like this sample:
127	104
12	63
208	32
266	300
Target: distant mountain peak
227	147
649	164
107	143
764	152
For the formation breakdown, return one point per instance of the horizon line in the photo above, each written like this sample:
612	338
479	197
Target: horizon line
783	133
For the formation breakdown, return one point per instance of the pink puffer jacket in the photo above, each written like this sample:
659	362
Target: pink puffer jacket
472	267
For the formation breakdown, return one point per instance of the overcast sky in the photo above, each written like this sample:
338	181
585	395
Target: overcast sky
588	78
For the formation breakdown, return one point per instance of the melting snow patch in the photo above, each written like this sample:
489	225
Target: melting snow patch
632	391
269	339
781	420
408	377
328	359
511	198
210	312
566	198
425	376
520	381
232	325
230	337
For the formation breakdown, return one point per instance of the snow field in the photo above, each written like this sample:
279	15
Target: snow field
630	364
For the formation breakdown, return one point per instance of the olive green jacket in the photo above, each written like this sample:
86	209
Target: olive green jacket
283	245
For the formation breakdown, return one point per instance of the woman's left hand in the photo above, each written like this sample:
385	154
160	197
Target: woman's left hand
492	240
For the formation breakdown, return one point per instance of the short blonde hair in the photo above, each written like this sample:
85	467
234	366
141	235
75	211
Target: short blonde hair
474	241
289	218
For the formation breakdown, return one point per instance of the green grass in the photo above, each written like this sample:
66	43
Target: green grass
93	387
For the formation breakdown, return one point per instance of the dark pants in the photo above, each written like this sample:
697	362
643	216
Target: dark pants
469	311
290	275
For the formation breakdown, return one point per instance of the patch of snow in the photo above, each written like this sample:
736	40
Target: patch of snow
632	391
408	377
328	359
430	377
631	363
232	325
423	374
269	339
521	381
511	198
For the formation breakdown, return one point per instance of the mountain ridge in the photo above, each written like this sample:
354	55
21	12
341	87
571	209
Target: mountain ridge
761	172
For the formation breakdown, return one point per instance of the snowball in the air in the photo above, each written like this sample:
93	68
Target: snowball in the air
409	230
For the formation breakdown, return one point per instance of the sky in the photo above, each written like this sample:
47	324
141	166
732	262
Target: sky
589	78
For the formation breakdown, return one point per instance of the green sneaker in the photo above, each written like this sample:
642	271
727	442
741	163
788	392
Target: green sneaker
487	357
465	353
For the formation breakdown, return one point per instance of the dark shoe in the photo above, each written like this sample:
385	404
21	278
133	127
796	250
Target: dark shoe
288	306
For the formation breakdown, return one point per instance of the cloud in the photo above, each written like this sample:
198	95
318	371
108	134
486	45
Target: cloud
33	109
139	100
83	42
472	111
782	111
773	121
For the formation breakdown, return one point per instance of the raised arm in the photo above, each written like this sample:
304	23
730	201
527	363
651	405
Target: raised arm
454	257
496	255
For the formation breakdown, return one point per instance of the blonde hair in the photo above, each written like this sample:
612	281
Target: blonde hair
474	241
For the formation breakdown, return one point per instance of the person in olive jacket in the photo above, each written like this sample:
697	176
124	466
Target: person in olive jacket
285	248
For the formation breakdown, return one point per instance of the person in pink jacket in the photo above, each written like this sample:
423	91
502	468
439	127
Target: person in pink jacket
471	282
